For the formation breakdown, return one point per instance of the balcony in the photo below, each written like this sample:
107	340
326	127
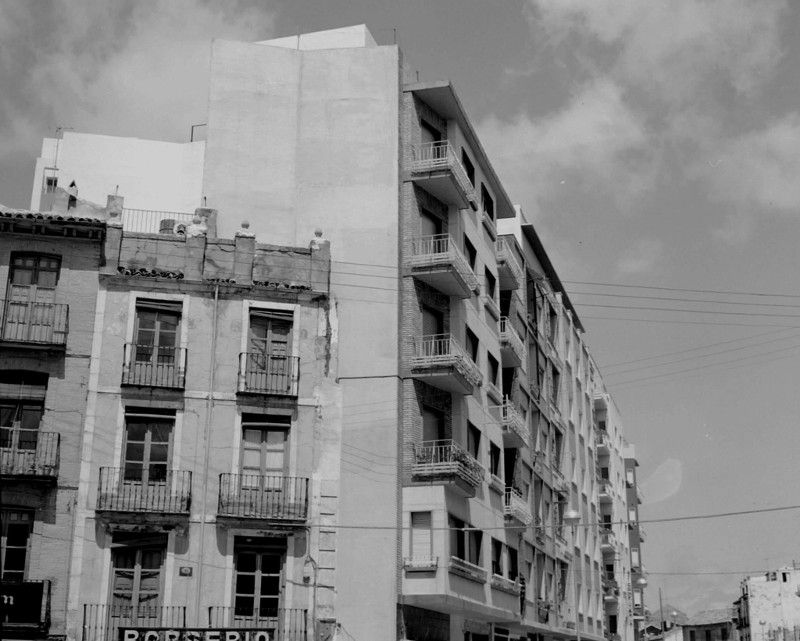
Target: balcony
154	366
149	221
437	261
467	570
268	375
639	495
608	540
29	454
604	489
439	360
444	462
102	622
603	442
34	325
144	491
508	268
253	498
282	624
420	563
25	609
512	347
436	168
516	507
505	584
642	534
515	431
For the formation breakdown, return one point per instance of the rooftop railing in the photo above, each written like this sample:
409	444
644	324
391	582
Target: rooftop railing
29	452
254	496
146	490
151	221
34	323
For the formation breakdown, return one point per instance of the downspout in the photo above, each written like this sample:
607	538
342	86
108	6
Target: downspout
209	408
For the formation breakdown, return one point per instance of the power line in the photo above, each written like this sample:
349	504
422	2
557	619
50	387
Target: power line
691	311
679	289
685	300
687	322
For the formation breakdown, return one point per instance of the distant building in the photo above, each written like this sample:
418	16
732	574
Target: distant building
711	625
769	606
636	537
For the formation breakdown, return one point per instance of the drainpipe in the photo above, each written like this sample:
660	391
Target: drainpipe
209	407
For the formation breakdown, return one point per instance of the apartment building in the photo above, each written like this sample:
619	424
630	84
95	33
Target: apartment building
463	387
636	537
49	272
769	606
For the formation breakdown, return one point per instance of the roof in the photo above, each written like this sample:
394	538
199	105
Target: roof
711	617
25	215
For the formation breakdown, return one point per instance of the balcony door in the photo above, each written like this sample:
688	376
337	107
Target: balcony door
146	459
29	313
265	489
259	583
156	339
136	581
21	409
269	363
16	528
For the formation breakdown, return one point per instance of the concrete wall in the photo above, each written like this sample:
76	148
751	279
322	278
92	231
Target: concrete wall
162	176
299	140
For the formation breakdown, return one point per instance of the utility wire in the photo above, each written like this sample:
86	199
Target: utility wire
679	289
685	300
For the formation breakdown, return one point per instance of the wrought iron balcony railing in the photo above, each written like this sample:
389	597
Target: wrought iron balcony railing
466	569
284	624
29	453
268	374
516	506
440	156
34	323
441	459
442	350
146	490
510	271
102	622
271	498
510	340
442	252
154	366
514	424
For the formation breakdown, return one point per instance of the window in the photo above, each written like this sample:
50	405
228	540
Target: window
468	166
708	635
433	424
429	223
513	564
464	544
553	324
471	343
21	408
494	369
491	283
264	444
635	557
30	270
432	321
421	535
258	579
137	573
155	344
428	132
471	252
555	383
147	449
488	203
30	314
494	459
270	368
497	557
16	537
724	634
692	635
473	441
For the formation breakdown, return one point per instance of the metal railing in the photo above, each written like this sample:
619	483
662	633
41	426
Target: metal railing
463	567
511	337
608	538
268	374
102	622
284	624
443	350
440	156
515	505
149	490
29	452
154	366
436	459
151	221
25	605
254	496
504	254
512	420
34	322
602	440
441	250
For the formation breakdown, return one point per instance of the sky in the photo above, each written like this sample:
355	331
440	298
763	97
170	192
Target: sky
655	146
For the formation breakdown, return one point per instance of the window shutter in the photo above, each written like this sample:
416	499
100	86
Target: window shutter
421	540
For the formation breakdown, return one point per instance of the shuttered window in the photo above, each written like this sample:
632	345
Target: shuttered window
421	534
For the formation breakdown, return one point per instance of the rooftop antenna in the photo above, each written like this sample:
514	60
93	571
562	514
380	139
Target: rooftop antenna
59	135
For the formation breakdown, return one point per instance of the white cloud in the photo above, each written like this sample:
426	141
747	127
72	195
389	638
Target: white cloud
640	257
759	168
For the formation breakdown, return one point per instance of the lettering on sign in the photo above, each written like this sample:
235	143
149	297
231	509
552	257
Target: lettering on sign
195	634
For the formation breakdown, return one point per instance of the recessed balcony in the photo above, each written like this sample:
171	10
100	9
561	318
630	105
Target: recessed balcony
516	507
604	490
258	498
446	463
102	622
268	375
436	168
467	570
437	261
508	268
154	366
34	325
280	624
512	347
142	490
608	541
515	430
603	442
439	360
29	454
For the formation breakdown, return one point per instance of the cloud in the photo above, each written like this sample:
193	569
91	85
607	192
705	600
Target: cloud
759	168
664	482
121	68
591	139
672	48
640	257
